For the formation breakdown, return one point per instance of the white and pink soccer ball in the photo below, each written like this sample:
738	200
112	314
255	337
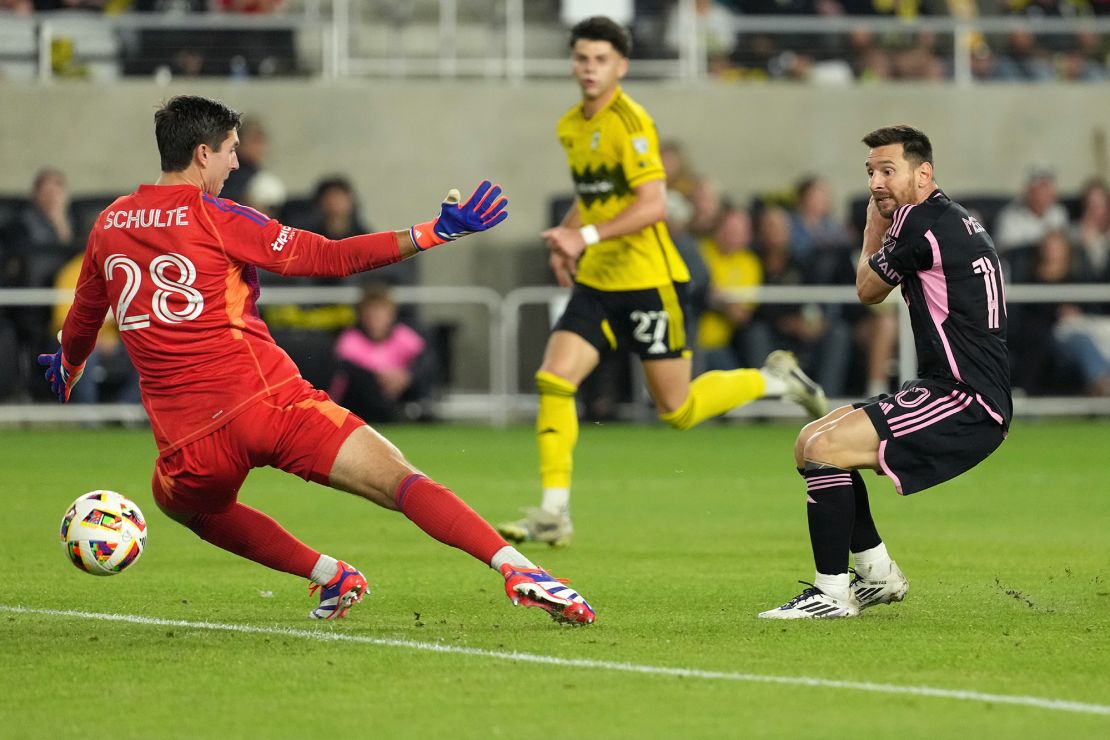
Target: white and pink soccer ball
103	533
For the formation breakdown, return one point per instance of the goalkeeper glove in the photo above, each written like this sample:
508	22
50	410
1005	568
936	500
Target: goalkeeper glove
483	210
61	374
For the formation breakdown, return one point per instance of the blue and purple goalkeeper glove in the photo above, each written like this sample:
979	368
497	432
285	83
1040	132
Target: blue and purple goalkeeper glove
61	374
482	210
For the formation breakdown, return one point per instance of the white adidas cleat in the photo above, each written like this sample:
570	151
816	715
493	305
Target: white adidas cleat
539	525
871	588
801	389
813	603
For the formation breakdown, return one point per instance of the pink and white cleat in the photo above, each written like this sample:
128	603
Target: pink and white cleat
536	587
346	589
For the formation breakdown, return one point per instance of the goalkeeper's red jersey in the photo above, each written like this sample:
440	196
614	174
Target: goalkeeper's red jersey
177	268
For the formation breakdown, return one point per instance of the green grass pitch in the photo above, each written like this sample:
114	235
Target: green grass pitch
681	539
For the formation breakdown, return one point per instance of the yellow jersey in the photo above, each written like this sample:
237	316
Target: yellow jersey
610	155
737	270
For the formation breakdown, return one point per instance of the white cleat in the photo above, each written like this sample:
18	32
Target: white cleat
871	588
813	603
801	389
539	525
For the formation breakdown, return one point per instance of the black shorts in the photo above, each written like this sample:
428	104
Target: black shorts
931	432
651	323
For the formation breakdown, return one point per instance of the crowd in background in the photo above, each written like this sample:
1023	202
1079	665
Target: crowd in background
379	358
1017	54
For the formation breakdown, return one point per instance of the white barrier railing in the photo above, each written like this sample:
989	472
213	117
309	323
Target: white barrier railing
504	402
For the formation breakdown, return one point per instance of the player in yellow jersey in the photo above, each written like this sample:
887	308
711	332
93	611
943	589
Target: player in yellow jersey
630	283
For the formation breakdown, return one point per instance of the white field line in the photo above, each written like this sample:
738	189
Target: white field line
603	665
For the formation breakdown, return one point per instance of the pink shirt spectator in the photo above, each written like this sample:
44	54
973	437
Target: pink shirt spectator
397	352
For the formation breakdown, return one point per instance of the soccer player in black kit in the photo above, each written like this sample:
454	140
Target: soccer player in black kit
934	428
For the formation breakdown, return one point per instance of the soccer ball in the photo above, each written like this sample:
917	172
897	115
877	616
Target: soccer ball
103	533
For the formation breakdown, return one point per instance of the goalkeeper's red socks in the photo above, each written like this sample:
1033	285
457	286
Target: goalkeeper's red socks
435	509
251	534
446	517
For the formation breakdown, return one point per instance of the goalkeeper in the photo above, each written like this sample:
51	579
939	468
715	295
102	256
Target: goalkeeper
177	265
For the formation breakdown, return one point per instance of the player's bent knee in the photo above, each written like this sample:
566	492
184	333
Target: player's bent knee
822	448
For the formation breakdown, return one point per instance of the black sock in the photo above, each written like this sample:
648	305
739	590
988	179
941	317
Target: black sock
831	509
864	534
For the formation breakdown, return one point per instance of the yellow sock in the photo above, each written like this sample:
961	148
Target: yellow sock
715	392
556	429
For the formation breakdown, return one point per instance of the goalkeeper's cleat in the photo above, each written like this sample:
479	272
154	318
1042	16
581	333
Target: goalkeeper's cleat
813	603
871	588
340	594
801	389
539	525
536	587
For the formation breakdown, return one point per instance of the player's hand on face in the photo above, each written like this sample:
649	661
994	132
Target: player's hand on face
875	220
568	242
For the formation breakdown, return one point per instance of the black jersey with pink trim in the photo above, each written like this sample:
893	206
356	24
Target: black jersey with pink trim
951	280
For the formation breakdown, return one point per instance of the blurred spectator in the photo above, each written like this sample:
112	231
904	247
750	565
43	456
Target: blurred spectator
40	239
335	210
95	5
1025	221
250	6
1053	339
732	265
384	369
681	177
716	28
36	241
812	225
265	193
254	145
820	339
18	7
707	205
1034	54
335	214
1092	232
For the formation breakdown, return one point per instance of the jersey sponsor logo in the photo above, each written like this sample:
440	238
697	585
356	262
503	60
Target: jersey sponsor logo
600	184
881	262
595	140
973	226
147	218
283	238
640	144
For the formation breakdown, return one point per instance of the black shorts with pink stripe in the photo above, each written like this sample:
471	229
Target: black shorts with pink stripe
931	432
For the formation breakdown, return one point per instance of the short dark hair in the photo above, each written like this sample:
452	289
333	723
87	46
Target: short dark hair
333	182
916	147
187	121
600	28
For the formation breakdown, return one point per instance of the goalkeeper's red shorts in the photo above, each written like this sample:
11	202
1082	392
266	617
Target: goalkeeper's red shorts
299	430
